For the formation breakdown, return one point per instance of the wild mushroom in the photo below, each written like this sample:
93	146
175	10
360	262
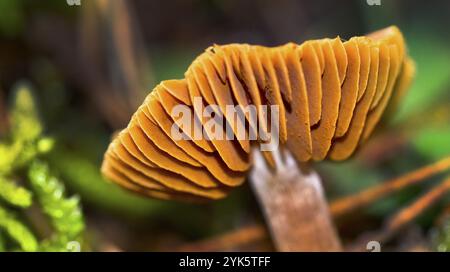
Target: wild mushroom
330	93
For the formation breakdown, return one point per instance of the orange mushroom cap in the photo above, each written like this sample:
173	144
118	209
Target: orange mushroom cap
330	94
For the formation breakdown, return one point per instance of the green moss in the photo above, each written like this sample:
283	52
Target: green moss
21	150
13	194
17	231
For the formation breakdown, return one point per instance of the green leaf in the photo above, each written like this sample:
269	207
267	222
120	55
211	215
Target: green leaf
17	231
14	194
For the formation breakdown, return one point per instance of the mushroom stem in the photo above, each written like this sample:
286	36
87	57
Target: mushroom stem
350	203
294	206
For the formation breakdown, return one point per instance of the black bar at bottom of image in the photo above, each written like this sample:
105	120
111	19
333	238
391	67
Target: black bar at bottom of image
223	261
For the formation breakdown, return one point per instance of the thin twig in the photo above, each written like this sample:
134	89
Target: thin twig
410	212
130	60
347	204
234	239
115	62
403	217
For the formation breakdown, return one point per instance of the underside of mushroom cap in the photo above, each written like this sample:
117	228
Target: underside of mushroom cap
328	95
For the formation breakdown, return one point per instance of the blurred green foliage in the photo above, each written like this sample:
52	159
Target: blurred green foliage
16	195
17	231
20	151
25	141
441	236
432	80
352	176
434	143
13	17
64	213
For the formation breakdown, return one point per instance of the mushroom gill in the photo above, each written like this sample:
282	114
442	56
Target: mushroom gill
330	96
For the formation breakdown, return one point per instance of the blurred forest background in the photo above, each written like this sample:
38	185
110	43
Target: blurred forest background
75	74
